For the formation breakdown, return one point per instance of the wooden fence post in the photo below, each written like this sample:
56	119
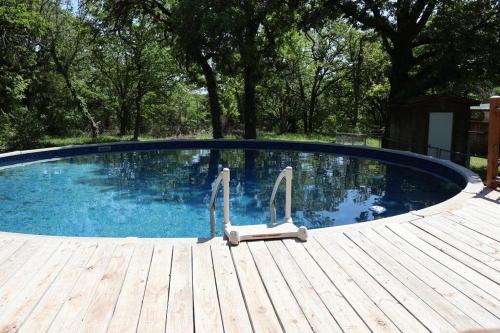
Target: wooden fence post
493	142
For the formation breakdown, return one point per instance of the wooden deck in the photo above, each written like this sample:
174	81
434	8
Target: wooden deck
437	273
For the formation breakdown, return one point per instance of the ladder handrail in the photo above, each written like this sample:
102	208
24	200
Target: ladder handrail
287	174
223	178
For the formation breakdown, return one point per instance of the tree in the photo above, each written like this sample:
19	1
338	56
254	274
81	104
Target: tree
153	66
22	29
409	33
66	36
255	29
325	79
400	26
326	52
182	22
466	52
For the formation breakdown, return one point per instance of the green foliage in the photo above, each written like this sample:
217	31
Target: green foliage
20	129
180	67
465	61
21	28
329	79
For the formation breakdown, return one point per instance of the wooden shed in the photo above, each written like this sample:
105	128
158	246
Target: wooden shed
432	125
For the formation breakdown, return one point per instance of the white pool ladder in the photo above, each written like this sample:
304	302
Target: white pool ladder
236	234
223	177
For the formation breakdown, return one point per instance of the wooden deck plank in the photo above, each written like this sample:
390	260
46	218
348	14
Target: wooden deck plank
18	259
284	303
491	209
70	315
458	255
465	271
457	222
458	244
486	214
128	306
392	308
46	310
375	319
101	307
259	306
475	223
446	290
207	316
25	301
314	309
434	264
421	310
26	273
8	248
180	299
232	305
444	306
345	315
480	215
153	315
477	241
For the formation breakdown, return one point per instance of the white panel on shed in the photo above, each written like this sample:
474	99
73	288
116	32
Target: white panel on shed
440	134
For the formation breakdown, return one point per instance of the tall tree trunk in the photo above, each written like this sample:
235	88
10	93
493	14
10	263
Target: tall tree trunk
303	104
124	116
357	92
313	99
138	112
312	111
250	116
213	96
401	58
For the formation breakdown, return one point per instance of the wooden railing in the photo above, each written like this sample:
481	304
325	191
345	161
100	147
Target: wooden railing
492	179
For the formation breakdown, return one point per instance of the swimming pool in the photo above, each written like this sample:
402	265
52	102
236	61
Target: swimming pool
163	189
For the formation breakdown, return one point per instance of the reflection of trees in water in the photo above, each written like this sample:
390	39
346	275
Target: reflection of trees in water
321	181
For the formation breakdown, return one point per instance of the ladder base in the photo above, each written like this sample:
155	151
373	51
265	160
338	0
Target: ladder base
236	234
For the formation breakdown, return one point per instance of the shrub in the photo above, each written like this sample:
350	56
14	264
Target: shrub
20	129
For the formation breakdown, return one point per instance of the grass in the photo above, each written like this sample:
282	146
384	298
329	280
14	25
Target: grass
297	137
477	164
82	140
50	141
371	142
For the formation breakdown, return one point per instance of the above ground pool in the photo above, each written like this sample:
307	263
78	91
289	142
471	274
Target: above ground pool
162	189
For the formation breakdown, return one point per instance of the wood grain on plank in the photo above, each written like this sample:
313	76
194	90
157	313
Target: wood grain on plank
103	303
128	307
260	308
232	305
207	313
287	309
180	300
314	309
153	315
71	313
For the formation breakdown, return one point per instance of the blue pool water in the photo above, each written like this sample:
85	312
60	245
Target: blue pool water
166	193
